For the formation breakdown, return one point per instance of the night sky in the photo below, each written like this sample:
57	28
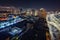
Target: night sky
47	4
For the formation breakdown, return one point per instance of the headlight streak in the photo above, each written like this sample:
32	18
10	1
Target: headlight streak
11	22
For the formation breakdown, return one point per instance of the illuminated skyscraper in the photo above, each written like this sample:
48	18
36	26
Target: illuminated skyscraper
43	12
28	12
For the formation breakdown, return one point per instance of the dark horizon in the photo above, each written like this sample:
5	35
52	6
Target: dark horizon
47	4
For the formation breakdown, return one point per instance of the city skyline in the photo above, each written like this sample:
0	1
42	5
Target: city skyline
47	4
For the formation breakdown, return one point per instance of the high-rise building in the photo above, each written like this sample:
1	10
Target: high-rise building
9	10
36	12
28	12
33	12
42	13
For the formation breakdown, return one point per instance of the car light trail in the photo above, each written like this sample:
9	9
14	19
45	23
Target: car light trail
10	22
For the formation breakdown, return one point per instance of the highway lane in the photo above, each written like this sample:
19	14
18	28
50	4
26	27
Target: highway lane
10	22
